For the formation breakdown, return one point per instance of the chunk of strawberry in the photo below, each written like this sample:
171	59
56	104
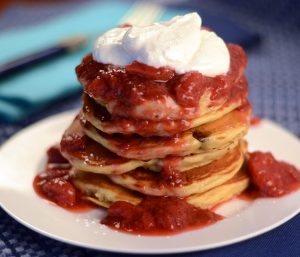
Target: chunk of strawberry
188	89
57	172
73	143
163	74
98	88
60	191
273	178
54	155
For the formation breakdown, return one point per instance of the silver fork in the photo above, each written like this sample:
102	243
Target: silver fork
143	13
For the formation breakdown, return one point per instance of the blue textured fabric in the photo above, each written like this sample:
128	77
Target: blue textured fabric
273	73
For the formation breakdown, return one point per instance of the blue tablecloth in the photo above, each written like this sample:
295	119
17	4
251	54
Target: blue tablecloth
273	73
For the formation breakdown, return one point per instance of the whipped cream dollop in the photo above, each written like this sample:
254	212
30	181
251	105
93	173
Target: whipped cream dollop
179	43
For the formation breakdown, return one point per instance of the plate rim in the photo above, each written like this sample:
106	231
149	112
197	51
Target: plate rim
152	251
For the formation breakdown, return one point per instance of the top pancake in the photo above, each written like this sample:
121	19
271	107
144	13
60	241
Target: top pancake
143	92
100	118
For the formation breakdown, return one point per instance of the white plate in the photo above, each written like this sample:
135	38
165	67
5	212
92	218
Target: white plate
22	156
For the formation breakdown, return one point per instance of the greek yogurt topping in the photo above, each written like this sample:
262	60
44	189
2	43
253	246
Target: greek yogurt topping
179	43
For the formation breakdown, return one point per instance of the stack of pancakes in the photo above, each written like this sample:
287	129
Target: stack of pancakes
123	150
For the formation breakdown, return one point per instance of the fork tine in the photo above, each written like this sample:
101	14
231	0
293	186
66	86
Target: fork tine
132	14
142	13
152	13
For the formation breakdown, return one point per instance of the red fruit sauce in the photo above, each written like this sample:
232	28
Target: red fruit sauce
158	215
54	183
270	177
255	121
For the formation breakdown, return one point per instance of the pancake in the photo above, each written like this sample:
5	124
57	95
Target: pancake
132	93
87	155
196	180
221	193
103	192
101	119
210	136
198	160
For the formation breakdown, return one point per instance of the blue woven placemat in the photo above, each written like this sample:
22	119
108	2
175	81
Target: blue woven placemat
273	74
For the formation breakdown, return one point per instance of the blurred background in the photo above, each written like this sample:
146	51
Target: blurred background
269	30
